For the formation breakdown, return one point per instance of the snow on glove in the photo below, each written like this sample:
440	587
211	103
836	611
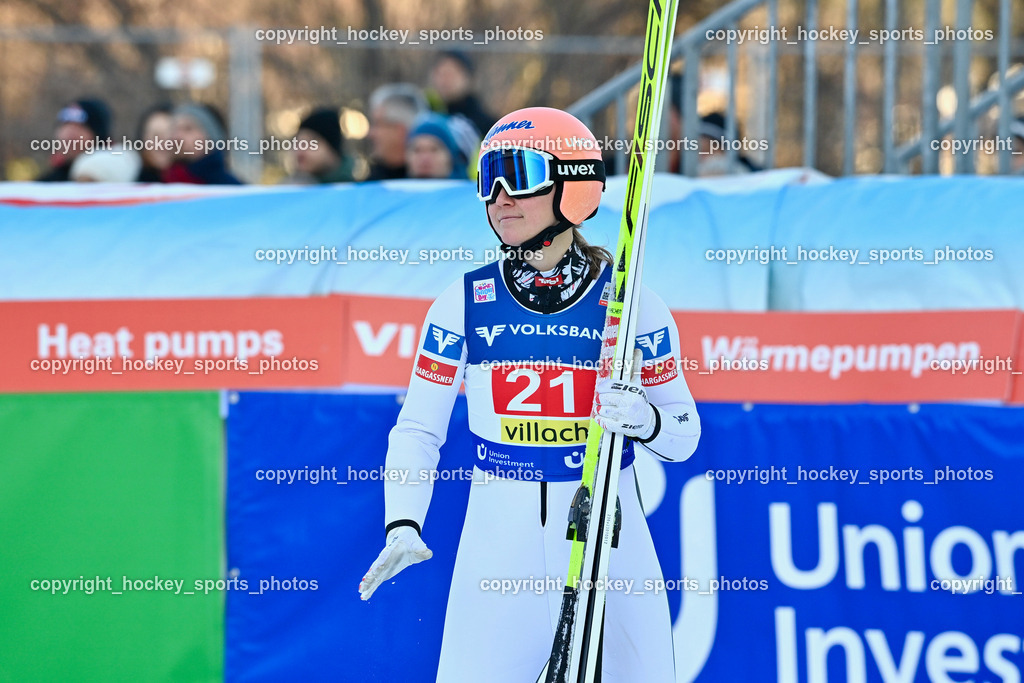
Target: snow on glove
623	409
404	547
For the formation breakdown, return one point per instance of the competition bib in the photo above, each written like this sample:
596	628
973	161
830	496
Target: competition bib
530	380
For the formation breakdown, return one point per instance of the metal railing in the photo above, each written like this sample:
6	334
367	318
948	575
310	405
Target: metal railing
918	151
839	117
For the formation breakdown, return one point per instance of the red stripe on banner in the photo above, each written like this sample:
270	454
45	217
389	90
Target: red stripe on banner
80	203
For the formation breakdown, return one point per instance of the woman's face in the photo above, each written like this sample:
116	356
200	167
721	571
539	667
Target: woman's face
158	130
517	219
192	137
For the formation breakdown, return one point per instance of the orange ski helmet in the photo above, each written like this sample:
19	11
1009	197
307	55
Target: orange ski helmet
539	149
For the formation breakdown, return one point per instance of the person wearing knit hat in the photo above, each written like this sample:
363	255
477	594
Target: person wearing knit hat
196	126
432	152
319	155
80	124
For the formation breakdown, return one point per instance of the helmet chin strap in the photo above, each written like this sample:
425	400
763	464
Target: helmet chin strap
543	239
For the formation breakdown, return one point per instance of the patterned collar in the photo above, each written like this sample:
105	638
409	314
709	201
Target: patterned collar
551	290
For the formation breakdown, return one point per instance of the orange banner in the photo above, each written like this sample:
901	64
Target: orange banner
369	340
849	357
383	333
171	344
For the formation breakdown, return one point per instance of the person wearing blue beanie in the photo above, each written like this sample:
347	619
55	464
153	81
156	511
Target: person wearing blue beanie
432	152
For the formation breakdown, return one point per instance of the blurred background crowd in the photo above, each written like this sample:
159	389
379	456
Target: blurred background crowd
431	132
413	132
175	92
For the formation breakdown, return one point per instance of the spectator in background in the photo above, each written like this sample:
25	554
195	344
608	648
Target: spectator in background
468	141
713	156
1017	159
155	129
675	122
432	151
320	156
394	109
80	124
714	144
451	81
201	130
106	166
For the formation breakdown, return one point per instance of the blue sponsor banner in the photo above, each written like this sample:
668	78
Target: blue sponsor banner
799	544
848	543
306	503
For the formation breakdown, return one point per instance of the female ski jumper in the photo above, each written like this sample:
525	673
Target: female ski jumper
525	341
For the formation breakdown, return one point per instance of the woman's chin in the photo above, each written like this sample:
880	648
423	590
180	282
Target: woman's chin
511	237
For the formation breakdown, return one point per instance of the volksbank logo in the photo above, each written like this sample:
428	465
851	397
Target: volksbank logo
444	342
651	344
491	333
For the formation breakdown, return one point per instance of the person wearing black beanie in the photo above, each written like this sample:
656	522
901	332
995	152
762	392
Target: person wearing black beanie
80	126
320	155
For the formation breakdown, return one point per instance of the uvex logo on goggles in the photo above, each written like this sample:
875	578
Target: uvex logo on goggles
524	171
576	170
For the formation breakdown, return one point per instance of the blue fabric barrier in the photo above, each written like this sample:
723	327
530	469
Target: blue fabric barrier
803	616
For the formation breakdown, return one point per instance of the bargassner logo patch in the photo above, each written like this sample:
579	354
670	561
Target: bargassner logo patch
658	373
491	333
435	371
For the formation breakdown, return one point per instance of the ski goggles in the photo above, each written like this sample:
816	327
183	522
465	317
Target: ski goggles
523	172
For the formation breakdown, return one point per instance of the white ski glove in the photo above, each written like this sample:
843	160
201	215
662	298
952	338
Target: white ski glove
404	547
623	408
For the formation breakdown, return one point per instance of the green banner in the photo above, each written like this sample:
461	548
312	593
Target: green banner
110	511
